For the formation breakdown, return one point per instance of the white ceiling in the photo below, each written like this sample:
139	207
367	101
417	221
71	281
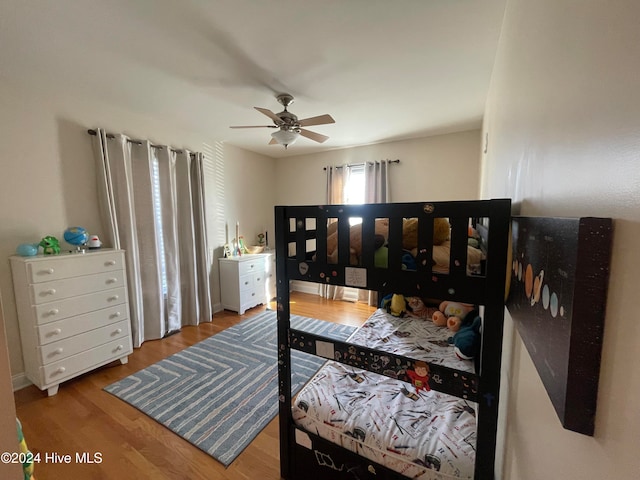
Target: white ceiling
384	69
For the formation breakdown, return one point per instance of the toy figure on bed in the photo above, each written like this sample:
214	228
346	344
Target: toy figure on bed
466	341
452	315
420	376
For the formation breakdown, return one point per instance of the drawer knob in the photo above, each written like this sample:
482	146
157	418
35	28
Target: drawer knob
47	271
116	314
118	330
110	263
112	280
51	291
53	311
61	370
112	298
246	282
58	350
119	347
258	279
57	331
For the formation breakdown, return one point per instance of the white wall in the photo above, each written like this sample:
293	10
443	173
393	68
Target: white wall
563	119
442	167
251	188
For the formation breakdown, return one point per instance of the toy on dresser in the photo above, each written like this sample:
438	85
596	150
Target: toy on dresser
50	245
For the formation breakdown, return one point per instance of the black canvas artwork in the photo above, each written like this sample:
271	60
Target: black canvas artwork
559	278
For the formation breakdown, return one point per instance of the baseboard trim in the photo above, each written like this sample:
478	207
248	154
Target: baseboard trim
304	287
20	381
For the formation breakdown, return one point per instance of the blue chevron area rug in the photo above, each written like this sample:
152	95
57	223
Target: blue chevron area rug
221	392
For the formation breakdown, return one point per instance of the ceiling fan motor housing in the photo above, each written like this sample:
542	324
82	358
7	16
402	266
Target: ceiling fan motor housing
289	120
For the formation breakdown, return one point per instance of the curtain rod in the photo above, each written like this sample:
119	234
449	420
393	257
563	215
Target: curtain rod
137	142
397	160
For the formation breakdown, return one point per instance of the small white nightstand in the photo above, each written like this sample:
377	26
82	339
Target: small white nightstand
246	281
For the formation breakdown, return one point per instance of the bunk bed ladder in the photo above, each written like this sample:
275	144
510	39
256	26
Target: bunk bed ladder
284	353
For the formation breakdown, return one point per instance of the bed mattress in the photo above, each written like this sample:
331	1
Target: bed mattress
422	434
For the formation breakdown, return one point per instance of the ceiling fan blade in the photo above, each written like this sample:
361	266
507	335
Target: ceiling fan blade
313	136
272	142
254	126
269	114
319	120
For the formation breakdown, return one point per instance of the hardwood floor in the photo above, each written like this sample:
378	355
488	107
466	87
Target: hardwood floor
126	444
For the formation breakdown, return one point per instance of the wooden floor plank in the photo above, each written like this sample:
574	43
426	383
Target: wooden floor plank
82	418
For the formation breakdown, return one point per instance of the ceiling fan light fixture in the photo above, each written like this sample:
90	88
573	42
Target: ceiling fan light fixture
285	137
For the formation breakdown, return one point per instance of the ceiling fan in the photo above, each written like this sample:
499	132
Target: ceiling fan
288	125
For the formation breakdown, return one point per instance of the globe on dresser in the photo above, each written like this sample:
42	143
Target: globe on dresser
76	236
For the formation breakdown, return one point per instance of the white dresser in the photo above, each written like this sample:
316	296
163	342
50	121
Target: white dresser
73	312
246	281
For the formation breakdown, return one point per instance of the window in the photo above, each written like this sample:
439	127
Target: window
157	210
354	189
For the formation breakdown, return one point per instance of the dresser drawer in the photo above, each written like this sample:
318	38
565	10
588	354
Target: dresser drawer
246	282
58	330
73	265
49	312
251	266
251	298
71	287
59	350
57	372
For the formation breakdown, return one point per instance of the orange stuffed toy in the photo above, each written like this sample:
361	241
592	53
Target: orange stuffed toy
451	315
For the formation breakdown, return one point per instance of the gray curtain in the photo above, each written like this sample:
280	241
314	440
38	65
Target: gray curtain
336	182
152	206
376	190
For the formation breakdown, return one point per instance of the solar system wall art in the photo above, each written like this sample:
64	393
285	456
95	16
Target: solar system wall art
559	280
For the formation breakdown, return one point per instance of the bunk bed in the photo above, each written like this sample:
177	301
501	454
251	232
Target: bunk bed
311	448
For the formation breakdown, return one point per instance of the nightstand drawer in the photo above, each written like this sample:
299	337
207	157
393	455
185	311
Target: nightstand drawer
46	270
52	311
251	266
54	331
55	351
71	287
246	282
57	372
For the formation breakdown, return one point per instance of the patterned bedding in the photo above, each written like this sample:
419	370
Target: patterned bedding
425	435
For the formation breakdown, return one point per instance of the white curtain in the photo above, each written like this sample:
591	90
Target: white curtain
152	206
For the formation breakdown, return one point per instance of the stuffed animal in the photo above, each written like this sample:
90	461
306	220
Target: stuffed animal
473	237
355	239
50	245
395	304
466	341
441	229
441	232
381	255
417	308
451	315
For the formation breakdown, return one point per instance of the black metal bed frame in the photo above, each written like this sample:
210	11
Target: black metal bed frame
301	254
